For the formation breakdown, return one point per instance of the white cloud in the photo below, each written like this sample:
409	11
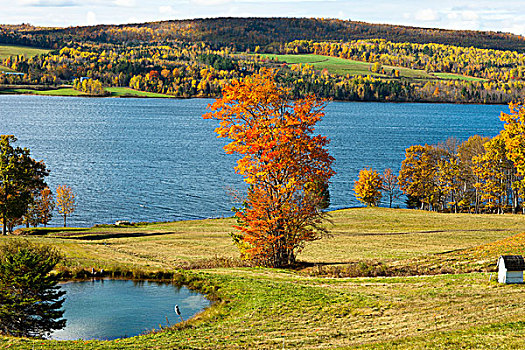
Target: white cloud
91	18
427	15
452	15
210	2
469	16
125	3
516	28
48	3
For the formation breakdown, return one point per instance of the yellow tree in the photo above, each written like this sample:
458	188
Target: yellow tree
65	201
283	162
492	169
368	187
450	180
417	177
513	134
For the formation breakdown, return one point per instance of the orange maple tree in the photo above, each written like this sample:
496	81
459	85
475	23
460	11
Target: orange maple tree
282	160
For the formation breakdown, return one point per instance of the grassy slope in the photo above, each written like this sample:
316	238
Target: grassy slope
8	50
342	66
264	308
453	76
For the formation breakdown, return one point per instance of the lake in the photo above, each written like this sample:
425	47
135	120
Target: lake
158	160
109	309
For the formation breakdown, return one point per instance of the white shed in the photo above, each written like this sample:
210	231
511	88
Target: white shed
510	269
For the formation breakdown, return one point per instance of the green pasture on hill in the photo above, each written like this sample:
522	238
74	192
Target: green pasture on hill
453	76
342	66
261	308
12	50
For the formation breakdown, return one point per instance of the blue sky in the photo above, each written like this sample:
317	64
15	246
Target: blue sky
496	15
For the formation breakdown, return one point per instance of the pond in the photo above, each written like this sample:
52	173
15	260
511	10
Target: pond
110	309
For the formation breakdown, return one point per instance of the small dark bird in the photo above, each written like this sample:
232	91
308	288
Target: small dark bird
177	311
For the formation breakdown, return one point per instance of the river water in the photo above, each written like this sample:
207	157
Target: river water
158	160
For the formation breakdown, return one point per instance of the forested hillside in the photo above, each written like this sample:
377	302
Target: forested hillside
336	59
248	33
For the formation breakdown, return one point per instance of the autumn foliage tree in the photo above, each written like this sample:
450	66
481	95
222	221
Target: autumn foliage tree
390	185
20	178
368	187
65	201
418	173
513	135
282	162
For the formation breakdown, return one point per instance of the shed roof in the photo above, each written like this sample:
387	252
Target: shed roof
513	262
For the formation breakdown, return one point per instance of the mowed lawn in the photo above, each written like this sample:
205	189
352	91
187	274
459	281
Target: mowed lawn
355	235
262	308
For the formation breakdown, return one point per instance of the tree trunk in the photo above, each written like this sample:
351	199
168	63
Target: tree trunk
65	220
4	221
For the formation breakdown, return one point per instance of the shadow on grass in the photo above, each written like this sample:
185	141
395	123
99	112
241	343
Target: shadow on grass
416	232
107	235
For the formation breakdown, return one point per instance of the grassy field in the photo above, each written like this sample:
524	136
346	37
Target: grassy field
276	308
10	50
128	92
453	76
54	92
342	66
114	92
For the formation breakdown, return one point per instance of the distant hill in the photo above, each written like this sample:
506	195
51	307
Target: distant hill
248	33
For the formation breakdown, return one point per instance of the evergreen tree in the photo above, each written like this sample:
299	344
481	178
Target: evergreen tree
30	300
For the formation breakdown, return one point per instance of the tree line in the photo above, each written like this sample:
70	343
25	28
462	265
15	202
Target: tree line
25	197
269	34
479	175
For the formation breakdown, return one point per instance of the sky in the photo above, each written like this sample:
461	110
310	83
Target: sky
493	15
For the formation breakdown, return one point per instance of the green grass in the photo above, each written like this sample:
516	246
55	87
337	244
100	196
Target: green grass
128	92
54	92
275	308
114	92
341	66
267	309
11	50
453	76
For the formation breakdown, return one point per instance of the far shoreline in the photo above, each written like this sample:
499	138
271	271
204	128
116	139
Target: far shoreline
154	95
